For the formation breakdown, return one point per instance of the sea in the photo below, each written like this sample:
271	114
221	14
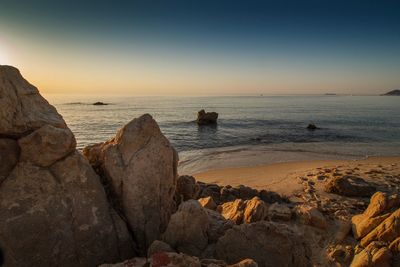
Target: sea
251	130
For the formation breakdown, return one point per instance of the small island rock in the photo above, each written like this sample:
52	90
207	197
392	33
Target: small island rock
206	118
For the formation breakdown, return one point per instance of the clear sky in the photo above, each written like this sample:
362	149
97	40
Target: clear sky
217	47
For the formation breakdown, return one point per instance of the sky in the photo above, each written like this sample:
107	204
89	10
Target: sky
218	47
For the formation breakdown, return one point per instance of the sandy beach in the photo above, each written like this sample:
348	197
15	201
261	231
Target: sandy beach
283	177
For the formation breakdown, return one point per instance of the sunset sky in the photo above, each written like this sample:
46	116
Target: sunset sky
214	47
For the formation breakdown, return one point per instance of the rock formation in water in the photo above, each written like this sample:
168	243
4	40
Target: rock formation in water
53	208
140	167
206	118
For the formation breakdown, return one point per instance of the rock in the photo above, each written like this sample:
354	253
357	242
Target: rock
270	197
312	127
135	262
375	254
205	118
210	190
267	243
159	246
362	225
187	228
140	166
53	208
240	211
218	225
377	211
245	263
386	231
46	145
170	259
212	263
99	104
311	216
233	211
187	187
340	255
9	154
349	186
256	210
22	108
207	203
342	231
280	212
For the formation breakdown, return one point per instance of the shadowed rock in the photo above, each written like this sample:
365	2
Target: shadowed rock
206	118
53	208
140	167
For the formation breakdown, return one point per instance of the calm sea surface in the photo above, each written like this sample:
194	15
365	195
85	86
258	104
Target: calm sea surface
350	125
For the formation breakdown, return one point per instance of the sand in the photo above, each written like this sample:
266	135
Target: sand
284	177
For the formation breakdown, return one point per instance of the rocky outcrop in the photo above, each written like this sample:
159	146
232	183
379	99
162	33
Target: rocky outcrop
53	208
349	186
268	244
187	229
140	167
22	108
206	118
378	230
247	211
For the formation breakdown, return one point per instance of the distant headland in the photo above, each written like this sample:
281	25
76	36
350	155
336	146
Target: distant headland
393	92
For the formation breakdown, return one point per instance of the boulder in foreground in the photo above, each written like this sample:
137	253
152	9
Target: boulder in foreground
267	243
139	165
53	208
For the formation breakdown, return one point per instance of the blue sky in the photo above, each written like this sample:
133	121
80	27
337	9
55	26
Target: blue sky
203	47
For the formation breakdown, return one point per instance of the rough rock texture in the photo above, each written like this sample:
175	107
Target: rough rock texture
9	154
187	188
22	108
269	244
279	212
204	118
208	203
171	259
248	211
378	229
46	145
159	246
187	228
311	216
375	254
53	208
218	225
140	166
135	262
349	186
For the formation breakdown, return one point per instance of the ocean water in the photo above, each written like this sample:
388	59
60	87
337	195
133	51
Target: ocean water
351	126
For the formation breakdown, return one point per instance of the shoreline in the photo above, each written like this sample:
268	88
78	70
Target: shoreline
282	177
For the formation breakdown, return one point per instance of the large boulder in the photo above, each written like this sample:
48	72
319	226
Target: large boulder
349	186
187	228
22	108
140	166
53	208
267	243
204	118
